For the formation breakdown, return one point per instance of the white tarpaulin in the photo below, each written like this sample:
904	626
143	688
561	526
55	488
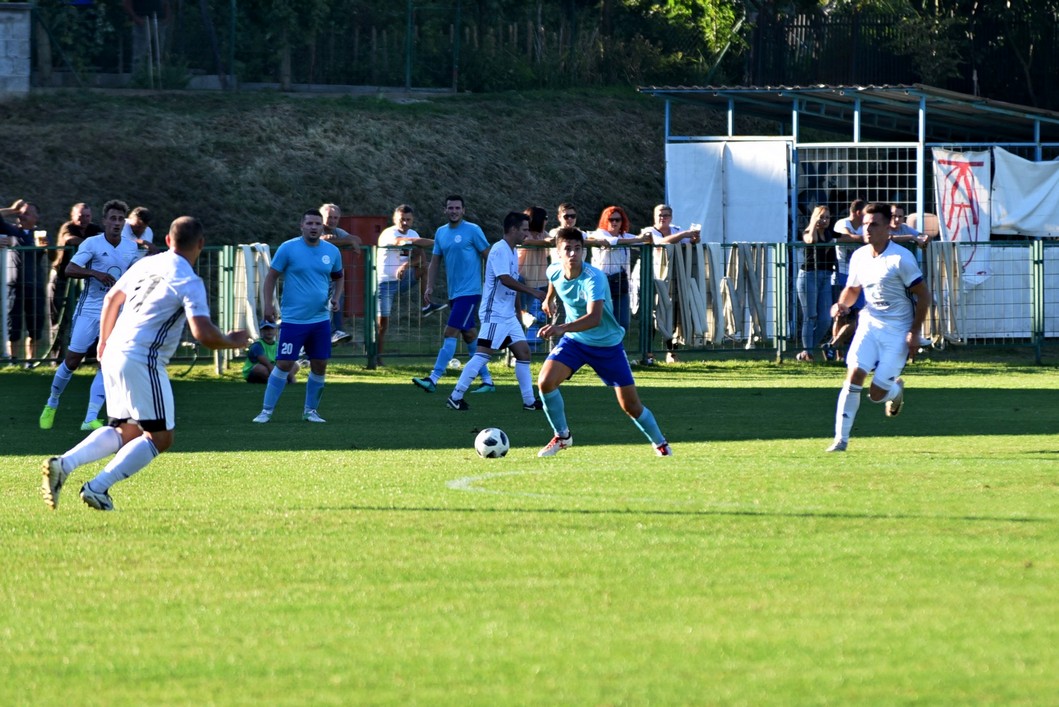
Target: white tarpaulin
1025	196
737	191
756	191
693	186
961	181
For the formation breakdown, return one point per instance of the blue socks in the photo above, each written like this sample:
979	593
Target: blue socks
555	410
314	388
646	423
445	354
277	381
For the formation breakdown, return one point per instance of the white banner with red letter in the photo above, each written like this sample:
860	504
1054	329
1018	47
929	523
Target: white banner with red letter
961	183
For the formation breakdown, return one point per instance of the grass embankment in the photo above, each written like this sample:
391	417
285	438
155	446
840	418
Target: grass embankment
248	164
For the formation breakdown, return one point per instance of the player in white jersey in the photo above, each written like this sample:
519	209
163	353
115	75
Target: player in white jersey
500	326
136	342
100	261
896	302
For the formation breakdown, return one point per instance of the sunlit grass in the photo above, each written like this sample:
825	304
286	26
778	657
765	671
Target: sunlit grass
376	559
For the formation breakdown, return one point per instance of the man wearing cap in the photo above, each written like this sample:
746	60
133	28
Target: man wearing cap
261	356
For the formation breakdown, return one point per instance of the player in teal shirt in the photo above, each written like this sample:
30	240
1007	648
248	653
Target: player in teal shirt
461	246
308	284
590	336
312	283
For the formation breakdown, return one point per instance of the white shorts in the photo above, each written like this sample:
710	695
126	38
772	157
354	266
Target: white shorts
500	334
879	349
138	391
84	334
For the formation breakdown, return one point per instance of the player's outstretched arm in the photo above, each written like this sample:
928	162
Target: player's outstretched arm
513	284
207	334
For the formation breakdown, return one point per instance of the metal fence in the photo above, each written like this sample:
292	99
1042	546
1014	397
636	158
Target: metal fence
743	300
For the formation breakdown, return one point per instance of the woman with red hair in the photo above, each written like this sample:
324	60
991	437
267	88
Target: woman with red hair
611	255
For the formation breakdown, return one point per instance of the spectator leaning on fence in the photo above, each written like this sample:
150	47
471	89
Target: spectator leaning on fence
814	284
611	254
849	235
662	233
340	237
71	235
397	269
27	302
533	256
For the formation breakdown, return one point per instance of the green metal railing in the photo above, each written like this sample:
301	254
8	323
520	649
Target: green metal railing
1009	309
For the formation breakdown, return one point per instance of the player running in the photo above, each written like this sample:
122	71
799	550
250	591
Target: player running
590	336
136	342
896	303
100	261
500	325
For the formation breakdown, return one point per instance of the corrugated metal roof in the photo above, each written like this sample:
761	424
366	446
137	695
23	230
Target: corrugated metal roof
888	113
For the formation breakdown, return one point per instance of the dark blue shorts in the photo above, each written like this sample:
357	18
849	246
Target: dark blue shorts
609	362
463	311
315	337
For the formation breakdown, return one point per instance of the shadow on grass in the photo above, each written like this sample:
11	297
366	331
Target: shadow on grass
214	415
688	513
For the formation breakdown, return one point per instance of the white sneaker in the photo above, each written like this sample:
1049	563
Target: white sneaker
837	446
556	445
339	336
312	416
99	501
263	416
52	483
893	407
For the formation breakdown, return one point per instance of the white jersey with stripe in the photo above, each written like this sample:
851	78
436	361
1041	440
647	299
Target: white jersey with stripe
97	253
498	300
160	293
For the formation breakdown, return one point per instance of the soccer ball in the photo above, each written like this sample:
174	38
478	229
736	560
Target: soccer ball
454	365
491	443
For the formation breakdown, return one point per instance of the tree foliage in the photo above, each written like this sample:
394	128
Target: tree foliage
1005	49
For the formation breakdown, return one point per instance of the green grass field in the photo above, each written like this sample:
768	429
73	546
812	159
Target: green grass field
377	559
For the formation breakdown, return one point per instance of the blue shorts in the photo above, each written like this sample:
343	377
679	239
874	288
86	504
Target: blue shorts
315	337
609	362
388	291
462	314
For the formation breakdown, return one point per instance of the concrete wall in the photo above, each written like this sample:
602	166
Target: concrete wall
15	24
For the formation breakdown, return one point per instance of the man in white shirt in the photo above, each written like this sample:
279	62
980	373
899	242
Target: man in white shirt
337	236
896	302
138	230
99	261
849	235
500	325
397	268
140	327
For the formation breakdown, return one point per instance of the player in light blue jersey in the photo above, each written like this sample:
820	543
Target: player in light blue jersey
461	246
312	283
590	336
